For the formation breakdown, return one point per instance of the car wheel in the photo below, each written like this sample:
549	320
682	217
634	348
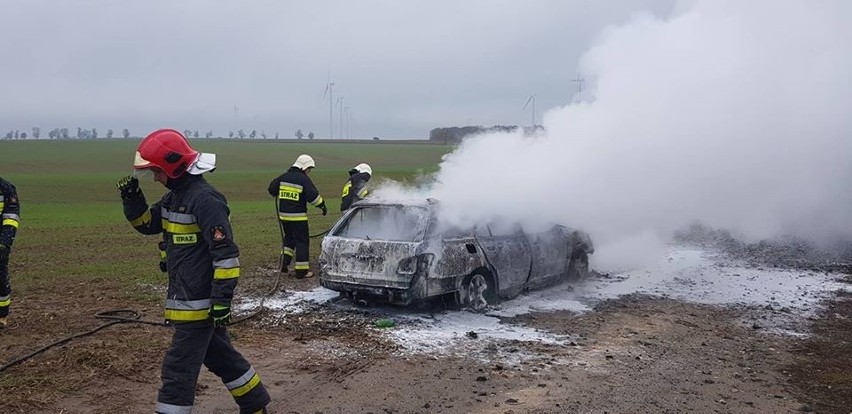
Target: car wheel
578	266
479	292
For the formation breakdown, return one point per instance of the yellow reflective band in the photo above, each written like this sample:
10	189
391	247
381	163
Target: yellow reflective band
363	193
145	218
288	252
302	267
346	188
10	222
244	389
183	239
220	274
187	315
317	201
5	303
170	227
293	218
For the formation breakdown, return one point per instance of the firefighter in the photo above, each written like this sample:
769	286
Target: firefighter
9	210
294	190
203	265
356	188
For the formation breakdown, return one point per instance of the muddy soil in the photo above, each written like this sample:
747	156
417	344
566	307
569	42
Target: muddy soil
632	354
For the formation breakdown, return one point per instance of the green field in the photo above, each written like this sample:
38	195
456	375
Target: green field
72	225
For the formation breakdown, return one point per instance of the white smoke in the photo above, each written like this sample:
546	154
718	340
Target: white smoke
728	112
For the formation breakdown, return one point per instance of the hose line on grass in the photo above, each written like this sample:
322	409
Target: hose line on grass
117	316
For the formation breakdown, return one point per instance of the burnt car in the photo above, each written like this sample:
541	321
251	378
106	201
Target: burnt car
397	252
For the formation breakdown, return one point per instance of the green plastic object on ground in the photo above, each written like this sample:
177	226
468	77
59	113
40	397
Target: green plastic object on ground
385	323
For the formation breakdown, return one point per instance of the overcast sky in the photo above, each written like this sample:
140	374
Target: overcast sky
403	67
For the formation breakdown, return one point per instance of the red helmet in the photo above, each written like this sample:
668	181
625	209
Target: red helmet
167	150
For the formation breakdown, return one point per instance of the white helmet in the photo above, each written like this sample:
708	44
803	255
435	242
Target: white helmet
364	168
304	162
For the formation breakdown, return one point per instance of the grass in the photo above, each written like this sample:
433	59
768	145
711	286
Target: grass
72	225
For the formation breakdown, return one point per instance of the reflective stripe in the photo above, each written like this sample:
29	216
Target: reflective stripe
176	228
5	301
164	408
317	201
181	218
242	380
11	216
232	262
10	222
145	218
346	188
293	216
302	266
293	185
187	315
219	274
188	304
288	251
243	390
363	193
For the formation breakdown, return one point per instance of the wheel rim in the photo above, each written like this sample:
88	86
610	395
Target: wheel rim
476	292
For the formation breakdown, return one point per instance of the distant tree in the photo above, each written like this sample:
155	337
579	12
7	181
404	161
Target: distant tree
253	134
125	133
276	135
375	138
17	134
263	134
209	134
64	133
311	135
23	135
36	132
94	133
230	134
195	134
53	133
109	133
10	134
241	133
187	133
299	134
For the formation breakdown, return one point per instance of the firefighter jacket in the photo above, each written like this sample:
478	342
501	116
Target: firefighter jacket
202	257
355	189
294	191
10	211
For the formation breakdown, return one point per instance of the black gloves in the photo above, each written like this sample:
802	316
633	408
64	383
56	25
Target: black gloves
324	209
129	187
220	315
163	258
4	252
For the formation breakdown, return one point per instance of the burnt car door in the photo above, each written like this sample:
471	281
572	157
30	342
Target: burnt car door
549	256
508	252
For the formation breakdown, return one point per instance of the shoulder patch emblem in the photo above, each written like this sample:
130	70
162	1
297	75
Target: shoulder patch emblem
219	233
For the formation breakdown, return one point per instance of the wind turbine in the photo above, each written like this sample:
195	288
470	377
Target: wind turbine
579	81
340	102
329	90
531	99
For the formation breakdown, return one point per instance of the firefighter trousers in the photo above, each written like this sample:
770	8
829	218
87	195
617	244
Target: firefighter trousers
197	343
296	246
5	288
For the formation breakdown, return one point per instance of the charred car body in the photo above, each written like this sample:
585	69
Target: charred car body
396	252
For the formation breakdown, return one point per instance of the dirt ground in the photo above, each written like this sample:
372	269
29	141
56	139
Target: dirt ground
632	354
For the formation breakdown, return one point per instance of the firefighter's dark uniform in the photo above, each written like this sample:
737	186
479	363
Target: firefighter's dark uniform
355	189
203	267
9	217
294	191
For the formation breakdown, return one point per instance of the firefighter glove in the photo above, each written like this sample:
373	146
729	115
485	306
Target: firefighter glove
324	209
129	187
221	315
163	258
4	252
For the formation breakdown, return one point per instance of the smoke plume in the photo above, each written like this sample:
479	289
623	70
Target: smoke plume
730	113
